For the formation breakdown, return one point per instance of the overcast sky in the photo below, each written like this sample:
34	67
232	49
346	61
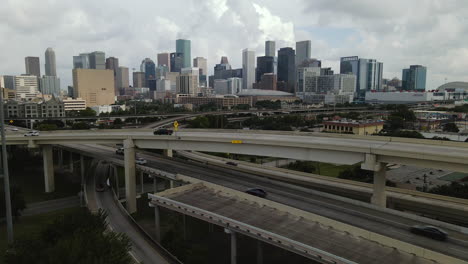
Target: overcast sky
398	32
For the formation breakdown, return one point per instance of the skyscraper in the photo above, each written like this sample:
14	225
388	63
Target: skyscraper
201	64
368	73
270	49
50	85
183	46
149	68
32	66
50	65
164	59
248	68
177	62
221	68
94	86
81	61
265	64
112	63
303	51
97	60
286	67
122	78
414	78
138	79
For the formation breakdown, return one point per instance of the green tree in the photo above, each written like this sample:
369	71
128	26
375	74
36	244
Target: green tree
200	122
304	166
451	127
46	127
88	112
80	125
76	237
455	189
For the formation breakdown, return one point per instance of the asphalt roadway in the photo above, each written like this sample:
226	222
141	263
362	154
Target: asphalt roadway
304	199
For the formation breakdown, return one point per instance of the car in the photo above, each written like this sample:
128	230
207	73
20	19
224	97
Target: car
100	187
14	129
140	161
163	131
257	192
32	134
429	231
119	151
231	163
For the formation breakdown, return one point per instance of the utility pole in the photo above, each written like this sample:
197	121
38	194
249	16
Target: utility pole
6	177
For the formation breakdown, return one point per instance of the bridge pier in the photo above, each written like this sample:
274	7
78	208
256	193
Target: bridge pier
233	245
47	157
168	153
130	181
82	174
379	197
70	162
60	158
157	223
141	182
259	252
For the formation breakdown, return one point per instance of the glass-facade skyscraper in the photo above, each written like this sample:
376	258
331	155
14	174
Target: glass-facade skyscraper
149	68
368	73
183	46
265	64
414	78
286	66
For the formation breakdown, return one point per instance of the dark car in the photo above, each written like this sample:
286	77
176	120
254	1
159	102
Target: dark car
257	192
100	187
119	151
163	131
231	163
429	231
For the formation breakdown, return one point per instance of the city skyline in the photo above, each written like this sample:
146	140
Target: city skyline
397	46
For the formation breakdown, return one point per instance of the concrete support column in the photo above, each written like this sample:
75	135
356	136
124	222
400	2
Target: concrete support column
379	197
171	184
70	162
259	252
47	157
155	184
130	181
82	174
233	247
157	224
168	153
141	182
60	158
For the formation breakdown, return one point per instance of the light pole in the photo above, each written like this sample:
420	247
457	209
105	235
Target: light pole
6	177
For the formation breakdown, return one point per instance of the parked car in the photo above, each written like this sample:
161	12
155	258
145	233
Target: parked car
163	131
231	163
32	134
14	129
429	231
100	187
119	151
140	161
257	192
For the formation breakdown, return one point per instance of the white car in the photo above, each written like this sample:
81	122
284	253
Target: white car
32	134
14	129
140	161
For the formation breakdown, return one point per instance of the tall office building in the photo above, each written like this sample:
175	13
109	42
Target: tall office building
112	63
176	61
164	59
8	81
81	61
234	85
265	64
149	68
50	64
248	68
138	79
183	46
414	78
97	60
286	67
270	48
187	84
368	73
201	64
303	51
50	85
122	78
94	86
221	68
33	66
192	71
303	76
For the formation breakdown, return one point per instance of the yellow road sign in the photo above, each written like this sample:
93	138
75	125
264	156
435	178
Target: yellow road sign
11	121
236	141
176	125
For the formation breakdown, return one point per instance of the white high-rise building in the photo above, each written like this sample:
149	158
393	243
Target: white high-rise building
270	49
234	85
248	68
50	66
26	87
187	83
303	51
122	78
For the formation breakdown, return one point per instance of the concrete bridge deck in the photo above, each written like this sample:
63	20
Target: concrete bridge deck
300	232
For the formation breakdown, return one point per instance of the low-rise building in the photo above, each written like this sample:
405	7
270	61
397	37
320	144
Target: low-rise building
74	104
357	127
108	108
34	109
220	101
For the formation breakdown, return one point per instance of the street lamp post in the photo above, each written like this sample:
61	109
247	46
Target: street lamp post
6	177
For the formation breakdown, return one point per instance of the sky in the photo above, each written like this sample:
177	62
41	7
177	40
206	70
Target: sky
398	33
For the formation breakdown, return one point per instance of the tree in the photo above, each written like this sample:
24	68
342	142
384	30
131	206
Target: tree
200	122
455	189
304	166
76	237
451	127
80	125
118	121
87	112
